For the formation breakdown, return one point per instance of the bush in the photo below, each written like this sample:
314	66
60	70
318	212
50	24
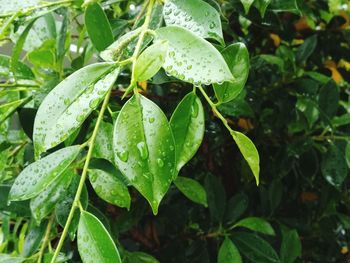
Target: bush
127	131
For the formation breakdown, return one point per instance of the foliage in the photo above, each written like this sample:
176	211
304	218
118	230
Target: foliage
125	131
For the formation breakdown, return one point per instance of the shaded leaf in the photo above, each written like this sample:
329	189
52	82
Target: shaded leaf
103	143
192	190
290	247
256	224
228	252
98	27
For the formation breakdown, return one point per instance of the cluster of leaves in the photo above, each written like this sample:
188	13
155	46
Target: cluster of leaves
85	165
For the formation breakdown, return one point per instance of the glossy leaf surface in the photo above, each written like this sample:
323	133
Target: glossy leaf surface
249	152
187	124
190	58
255	248
150	61
147	158
94	242
104	140
109	188
66	107
98	27
195	15
228	252
37	176
237	58
256	224
192	190
45	202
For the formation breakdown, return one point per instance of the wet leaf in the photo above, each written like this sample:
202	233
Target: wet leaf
37	176
190	58
104	140
109	188
195	15
187	124
94	242
66	107
150	61
147	158
43	204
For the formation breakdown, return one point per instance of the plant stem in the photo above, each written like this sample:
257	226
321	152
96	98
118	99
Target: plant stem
83	176
46	238
215	110
330	137
144	31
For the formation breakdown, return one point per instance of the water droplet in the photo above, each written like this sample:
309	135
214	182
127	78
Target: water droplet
98	189
172	54
80	118
151	119
189	67
212	25
123	156
194	109
160	162
167	11
143	151
94	103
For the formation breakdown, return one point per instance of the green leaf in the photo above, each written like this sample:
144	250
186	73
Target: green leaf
306	49
190	58
110	188
98	27
329	99
192	190
247	4
103	143
285	6
187	124
333	167
216	197
21	71
140	257
7	109
147	158
94	242
237	58
9	7
235	207
33	239
66	107
347	154
255	248
40	174
228	252
195	15
256	224
63	206
45	202
249	152
290	247
5	258
262	5
150	61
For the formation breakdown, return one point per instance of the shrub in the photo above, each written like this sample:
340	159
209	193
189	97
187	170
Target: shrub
127	131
